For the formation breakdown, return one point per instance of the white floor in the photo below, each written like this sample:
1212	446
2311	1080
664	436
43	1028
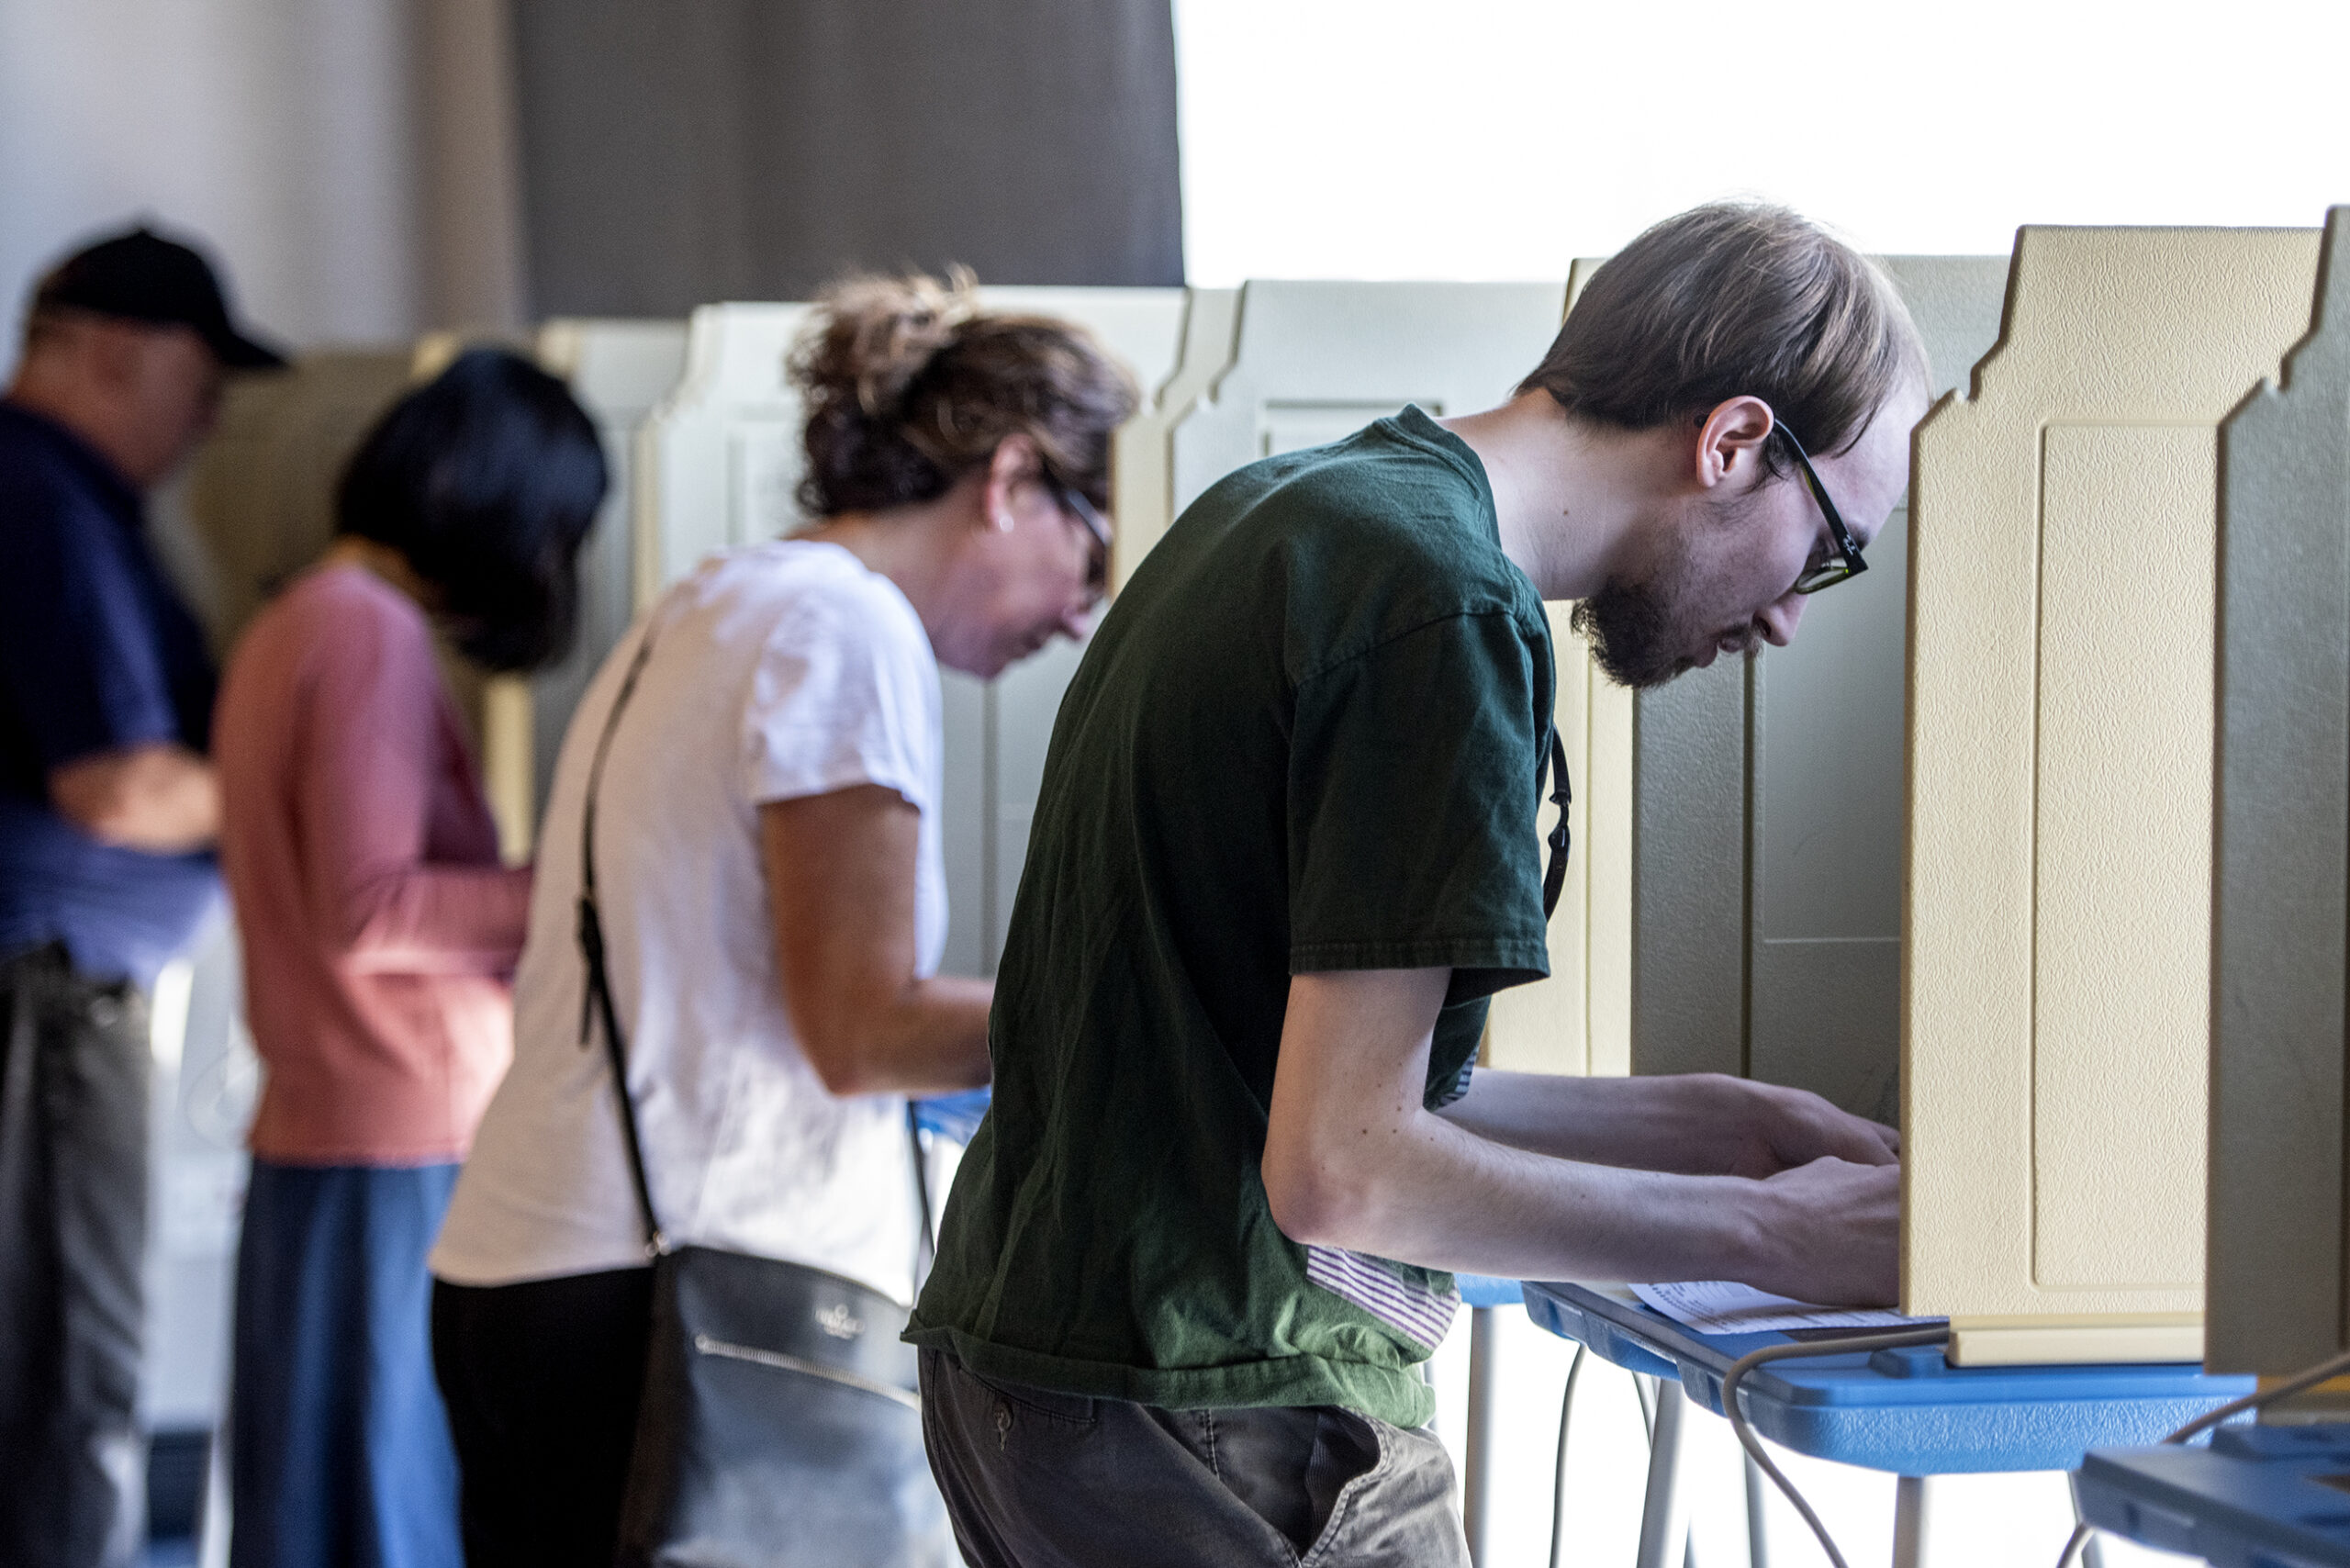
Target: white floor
1972	1521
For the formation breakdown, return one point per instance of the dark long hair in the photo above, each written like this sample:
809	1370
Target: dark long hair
485	478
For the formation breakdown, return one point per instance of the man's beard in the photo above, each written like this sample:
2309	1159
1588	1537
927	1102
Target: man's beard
1642	634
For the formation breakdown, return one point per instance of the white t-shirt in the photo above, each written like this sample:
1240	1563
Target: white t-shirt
778	671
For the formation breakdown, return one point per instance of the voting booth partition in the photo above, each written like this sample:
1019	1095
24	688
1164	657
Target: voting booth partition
1768	837
618	371
718	461
258	501
2056	998
2278	1298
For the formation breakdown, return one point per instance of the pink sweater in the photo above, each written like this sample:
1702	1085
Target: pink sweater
379	929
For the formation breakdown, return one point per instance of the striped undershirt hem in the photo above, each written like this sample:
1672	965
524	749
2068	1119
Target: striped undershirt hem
1412	1310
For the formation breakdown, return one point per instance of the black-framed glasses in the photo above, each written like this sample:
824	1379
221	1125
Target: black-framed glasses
1844	560
1097	557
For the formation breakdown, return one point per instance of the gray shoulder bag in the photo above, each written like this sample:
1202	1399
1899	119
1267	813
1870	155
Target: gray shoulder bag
780	1422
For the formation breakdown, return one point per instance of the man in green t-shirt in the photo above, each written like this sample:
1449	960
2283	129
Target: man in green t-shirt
1283	856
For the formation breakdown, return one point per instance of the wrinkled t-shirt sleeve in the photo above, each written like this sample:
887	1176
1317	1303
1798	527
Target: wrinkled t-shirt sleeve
844	694
1415	769
81	655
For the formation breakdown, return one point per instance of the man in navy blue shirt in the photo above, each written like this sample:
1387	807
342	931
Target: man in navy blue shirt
107	813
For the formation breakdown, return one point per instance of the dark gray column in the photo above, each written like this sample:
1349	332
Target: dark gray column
677	155
2281	859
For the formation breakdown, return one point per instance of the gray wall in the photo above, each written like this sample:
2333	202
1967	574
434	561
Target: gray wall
675	154
1768	827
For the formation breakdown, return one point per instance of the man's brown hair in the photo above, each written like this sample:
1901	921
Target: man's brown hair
1731	299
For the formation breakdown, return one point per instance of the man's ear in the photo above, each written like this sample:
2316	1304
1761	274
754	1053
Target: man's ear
1016	461
1729	441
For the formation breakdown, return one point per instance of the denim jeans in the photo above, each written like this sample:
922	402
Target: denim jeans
1035	1479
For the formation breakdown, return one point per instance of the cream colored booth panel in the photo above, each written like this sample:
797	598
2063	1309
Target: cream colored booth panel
719	464
1767	839
1311	362
258	502
2056	1031
618	371
1145	457
2278	1262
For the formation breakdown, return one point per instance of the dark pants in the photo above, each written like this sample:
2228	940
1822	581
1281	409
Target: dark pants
541	1382
74	1070
1042	1480
338	1451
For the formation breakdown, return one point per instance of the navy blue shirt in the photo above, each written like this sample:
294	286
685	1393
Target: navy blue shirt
96	653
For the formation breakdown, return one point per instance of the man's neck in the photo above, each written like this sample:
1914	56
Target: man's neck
1568	495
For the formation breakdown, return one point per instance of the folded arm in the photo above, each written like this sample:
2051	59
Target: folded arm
840	874
159	798
1352	1159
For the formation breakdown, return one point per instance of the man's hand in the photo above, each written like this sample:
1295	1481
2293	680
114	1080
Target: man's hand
1767	1129
1831	1232
159	798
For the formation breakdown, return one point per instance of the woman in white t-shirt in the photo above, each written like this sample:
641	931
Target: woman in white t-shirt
772	891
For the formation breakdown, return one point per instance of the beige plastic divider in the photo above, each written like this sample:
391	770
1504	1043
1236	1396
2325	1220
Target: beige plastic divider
258	502
1768	832
2057	966
619	371
1145	456
1311	362
719	462
717	459
2278	1275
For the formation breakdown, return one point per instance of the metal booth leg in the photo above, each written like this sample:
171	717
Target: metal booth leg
1758	1539
1477	1447
1909	1522
1664	1514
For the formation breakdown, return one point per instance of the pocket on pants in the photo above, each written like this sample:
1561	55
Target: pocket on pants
1399	1510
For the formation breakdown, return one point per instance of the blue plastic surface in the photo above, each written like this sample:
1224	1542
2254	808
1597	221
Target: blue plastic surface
2258	1498
1484	1290
1907	1411
953	1116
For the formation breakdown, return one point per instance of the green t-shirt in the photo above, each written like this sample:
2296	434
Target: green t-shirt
1309	737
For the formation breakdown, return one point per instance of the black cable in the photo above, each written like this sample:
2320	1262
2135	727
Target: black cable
1558	1480
2299	1382
1747	1437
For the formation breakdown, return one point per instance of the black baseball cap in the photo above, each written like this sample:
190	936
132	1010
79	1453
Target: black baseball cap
141	277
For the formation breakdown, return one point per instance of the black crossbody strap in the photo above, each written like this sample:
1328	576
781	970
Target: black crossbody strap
1554	874
596	999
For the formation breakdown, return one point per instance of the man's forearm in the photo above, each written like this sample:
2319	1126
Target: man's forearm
1353	1160
1695	1123
1648	1124
1447	1197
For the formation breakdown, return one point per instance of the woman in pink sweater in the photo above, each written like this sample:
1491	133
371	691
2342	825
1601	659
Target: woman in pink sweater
379	933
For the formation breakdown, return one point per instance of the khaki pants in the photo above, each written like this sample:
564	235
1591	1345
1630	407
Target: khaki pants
1034	1479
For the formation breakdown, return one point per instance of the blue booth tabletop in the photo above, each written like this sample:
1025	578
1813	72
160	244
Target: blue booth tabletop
2258	1498
1907	1411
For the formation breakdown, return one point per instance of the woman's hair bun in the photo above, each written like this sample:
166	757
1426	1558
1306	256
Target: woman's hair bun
877	334
909	385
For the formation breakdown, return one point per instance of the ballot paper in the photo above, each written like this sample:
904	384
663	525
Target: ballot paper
1721	1306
